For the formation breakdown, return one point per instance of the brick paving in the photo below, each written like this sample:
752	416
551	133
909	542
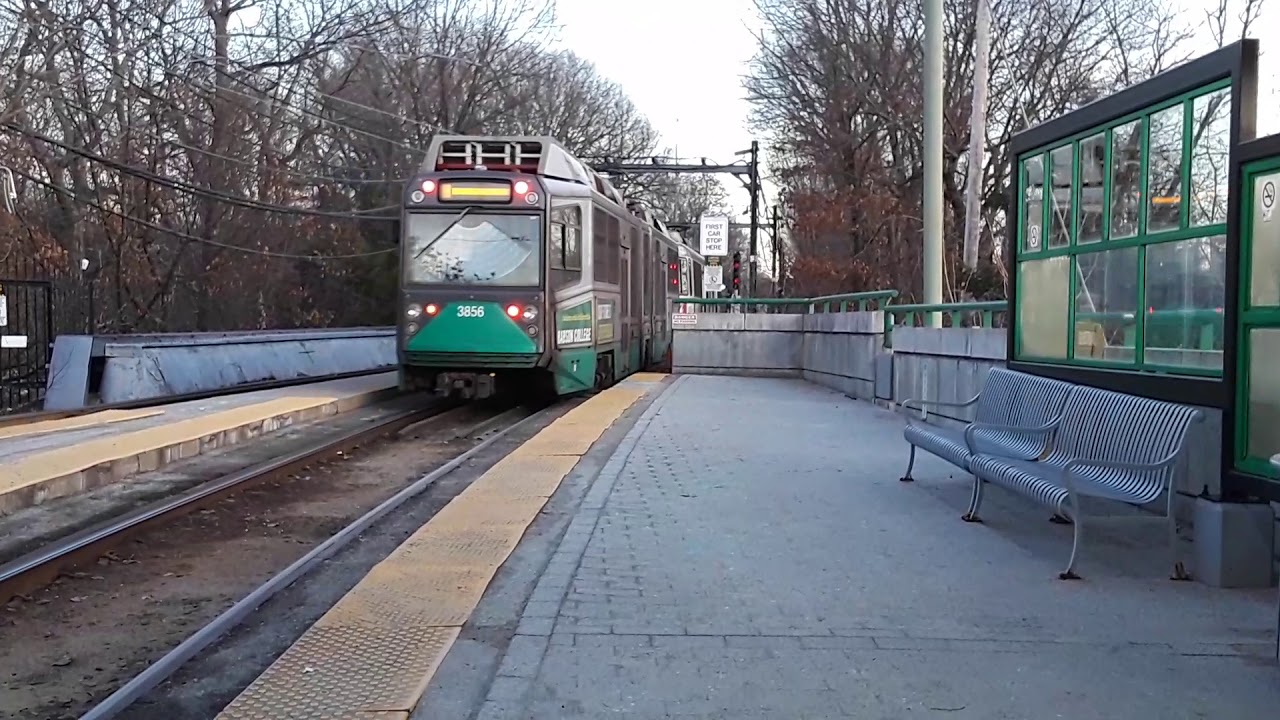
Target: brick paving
747	552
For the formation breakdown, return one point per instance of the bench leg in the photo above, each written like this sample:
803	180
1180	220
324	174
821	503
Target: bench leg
910	464
1179	570
1078	529
975	500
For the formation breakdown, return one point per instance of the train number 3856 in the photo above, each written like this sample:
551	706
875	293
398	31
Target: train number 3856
471	311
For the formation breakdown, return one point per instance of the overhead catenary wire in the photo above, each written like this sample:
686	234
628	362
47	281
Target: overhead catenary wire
169	72
193	238
336	179
197	189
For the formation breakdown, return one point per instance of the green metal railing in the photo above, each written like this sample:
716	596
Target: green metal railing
980	314
845	302
1204	324
1165	328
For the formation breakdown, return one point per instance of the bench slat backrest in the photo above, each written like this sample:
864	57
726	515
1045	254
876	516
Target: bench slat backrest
1010	397
1105	425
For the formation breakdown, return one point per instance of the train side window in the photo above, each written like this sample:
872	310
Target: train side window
566	239
615	250
599	245
565	246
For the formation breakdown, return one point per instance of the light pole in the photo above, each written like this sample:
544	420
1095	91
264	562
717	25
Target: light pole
933	157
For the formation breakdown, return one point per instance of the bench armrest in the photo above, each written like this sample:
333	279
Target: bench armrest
973	429
1160	464
921	405
916	404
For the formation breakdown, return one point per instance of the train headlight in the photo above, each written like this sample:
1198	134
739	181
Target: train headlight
411	328
530	313
414	310
532	330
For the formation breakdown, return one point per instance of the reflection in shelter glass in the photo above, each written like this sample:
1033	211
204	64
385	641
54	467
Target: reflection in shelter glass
1093	156
1210	153
1126	179
1164	170
1060	197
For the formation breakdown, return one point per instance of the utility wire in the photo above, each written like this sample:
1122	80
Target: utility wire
196	189
248	67
249	163
193	238
168	72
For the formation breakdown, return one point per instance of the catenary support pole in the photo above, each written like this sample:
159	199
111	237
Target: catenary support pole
977	133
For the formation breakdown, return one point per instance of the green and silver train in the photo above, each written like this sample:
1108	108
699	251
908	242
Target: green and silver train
525	271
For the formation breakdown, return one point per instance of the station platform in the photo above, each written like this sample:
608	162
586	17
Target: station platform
56	458
747	551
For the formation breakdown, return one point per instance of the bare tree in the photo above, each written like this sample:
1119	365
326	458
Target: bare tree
835	84
222	163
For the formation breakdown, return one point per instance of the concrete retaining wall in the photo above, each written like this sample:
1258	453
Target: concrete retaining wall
88	370
739	344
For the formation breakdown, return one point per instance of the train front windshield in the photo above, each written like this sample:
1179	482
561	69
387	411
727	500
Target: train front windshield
473	248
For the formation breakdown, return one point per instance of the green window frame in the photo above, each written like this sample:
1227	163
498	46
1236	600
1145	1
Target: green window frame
1184	340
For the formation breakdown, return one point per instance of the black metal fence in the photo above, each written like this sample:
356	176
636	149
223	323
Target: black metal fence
38	302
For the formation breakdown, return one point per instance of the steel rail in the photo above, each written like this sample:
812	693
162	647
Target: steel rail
42	566
166	666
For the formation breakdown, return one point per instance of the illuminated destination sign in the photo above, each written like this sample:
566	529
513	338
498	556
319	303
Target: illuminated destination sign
453	191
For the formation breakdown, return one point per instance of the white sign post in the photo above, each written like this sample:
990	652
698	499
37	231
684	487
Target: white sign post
713	231
713	278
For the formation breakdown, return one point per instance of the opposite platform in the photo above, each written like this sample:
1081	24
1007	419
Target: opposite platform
57	458
748	552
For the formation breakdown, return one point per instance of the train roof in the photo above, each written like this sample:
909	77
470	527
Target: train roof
538	154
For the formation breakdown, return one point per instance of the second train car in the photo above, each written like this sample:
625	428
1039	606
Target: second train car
523	270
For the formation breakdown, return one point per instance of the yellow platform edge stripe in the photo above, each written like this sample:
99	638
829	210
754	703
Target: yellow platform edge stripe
373	654
105	417
61	462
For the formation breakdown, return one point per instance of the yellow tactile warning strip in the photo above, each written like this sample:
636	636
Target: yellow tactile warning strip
80	421
373	654
143	450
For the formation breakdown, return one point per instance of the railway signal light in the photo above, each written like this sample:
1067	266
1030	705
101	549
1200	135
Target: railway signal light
737	270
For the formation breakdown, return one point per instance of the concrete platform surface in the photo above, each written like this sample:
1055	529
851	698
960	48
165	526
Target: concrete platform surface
748	552
57	458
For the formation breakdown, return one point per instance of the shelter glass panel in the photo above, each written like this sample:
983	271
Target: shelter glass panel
1106	305
1210	153
1185	291
1043	308
1138	208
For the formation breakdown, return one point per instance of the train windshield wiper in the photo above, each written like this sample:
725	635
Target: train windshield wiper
445	231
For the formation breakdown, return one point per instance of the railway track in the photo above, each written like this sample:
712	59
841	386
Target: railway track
183	545
488	432
42	566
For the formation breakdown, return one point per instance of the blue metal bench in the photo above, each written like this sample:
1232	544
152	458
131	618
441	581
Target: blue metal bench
1013	409
1105	445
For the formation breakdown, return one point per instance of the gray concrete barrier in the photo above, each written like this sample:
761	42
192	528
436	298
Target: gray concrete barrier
102	369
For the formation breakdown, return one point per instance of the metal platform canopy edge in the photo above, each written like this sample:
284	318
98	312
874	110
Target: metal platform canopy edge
1235	66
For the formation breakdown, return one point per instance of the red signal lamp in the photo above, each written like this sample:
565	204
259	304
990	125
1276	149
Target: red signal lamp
513	310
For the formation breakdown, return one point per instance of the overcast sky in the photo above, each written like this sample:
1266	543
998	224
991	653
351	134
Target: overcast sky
681	62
